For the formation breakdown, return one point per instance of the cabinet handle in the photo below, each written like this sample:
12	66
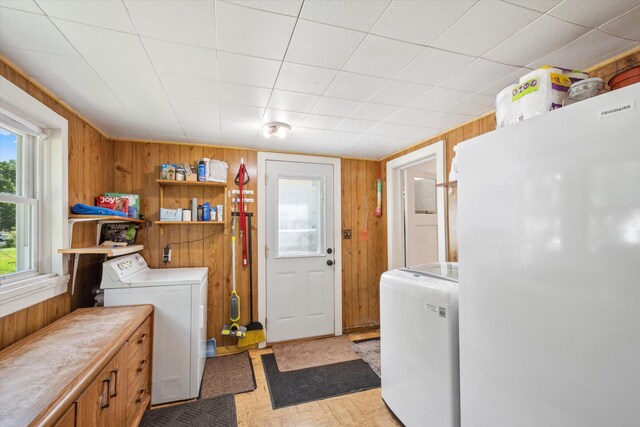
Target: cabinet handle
104	397
142	363
140	394
114	372
142	337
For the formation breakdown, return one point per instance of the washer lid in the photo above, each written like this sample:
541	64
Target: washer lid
435	290
440	270
167	277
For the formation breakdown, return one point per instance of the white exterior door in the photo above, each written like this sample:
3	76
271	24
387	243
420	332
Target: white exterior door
420	216
300	250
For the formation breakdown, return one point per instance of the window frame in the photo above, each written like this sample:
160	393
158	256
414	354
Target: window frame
51	174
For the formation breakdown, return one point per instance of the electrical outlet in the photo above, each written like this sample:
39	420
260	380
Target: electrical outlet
166	255
346	234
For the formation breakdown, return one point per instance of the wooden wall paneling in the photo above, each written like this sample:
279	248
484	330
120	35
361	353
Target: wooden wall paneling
191	236
170	153
348	274
376	254
148	169
215	244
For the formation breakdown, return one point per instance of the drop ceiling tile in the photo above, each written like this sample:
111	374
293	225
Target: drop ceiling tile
46	65
445	120
433	66
189	87
185	21
399	93
100	13
610	55
322	45
252	32
292	118
247	70
283	7
304	78
420	21
477	75
381	57
238	130
474	105
375	112
311	147
181	59
241	113
409	116
588	48
493	88
99	44
199	124
540	38
251	96
24	30
316	121
354	125
592	13
358	15
343	137
487	24
184	108
625	26
539	5
354	86
439	99
365	152
335	107
24	5
369	140
309	134
418	133
292	101
388	129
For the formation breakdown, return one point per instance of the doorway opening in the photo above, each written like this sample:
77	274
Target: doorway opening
416	208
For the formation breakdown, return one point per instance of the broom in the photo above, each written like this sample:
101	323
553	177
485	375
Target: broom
255	330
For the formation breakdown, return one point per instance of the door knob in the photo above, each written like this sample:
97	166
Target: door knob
329	251
329	262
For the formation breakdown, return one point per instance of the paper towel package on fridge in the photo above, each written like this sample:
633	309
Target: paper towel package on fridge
536	93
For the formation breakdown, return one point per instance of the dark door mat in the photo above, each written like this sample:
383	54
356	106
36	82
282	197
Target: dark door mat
219	411
321	382
230	374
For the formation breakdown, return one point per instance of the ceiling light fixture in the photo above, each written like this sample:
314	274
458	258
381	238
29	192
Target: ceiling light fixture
273	129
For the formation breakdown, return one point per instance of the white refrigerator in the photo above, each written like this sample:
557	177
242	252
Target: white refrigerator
549	272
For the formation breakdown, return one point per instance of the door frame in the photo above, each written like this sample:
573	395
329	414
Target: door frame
395	233
263	157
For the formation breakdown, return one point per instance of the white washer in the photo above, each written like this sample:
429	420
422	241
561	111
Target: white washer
179	297
419	344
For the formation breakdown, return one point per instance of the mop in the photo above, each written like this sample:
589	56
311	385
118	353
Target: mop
234	329
255	330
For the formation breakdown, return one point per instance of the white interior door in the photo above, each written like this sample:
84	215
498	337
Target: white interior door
300	250
420	215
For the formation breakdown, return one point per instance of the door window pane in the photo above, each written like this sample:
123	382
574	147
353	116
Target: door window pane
300	216
425	195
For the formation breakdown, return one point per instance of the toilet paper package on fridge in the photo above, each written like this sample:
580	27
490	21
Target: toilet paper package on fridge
505	111
540	91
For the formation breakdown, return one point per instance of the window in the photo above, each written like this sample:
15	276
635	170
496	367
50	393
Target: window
33	200
300	216
19	206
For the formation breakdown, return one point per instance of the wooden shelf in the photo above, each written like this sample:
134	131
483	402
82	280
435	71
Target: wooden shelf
104	218
103	250
191	183
189	222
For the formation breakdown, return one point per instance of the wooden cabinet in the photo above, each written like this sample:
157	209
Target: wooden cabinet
104	381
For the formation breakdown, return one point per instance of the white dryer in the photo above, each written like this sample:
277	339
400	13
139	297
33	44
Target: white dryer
179	297
419	344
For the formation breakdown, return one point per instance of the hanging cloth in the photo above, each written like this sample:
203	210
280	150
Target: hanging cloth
242	178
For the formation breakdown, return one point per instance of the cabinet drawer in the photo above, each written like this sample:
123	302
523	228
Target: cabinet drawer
69	418
139	352
139	397
141	338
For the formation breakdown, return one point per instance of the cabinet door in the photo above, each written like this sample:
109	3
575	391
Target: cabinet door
69	418
104	402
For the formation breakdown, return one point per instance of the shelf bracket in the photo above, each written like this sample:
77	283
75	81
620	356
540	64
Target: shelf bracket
76	261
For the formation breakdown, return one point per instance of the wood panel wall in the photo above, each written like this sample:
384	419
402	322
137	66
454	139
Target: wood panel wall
485	124
89	154
137	166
